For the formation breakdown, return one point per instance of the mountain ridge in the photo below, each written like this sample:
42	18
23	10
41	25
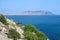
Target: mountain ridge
37	13
40	12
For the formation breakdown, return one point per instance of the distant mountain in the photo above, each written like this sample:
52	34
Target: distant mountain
35	13
41	12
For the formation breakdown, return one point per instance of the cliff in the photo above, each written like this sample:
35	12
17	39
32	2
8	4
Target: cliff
13	31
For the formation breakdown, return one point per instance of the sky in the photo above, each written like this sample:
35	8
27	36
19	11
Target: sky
16	6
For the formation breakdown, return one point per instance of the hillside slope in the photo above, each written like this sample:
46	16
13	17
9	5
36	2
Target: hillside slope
29	32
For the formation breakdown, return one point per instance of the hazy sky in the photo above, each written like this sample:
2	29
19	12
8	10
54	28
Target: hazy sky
15	6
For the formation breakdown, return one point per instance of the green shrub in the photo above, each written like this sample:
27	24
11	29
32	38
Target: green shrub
32	33
13	34
30	36
19	23
30	28
41	35
3	19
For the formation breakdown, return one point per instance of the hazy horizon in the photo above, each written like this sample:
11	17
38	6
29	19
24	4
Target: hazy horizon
15	6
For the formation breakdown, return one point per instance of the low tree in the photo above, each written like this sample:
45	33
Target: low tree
13	34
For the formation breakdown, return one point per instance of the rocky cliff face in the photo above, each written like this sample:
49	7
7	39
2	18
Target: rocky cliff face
3	32
5	28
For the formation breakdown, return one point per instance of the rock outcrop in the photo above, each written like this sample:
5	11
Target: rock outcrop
4	30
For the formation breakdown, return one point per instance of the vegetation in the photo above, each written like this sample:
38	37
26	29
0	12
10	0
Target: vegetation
31	33
13	34
19	23
3	19
30	28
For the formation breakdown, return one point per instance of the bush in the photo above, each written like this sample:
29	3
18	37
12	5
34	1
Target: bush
13	34
32	33
19	23
30	36
41	35
3	19
30	28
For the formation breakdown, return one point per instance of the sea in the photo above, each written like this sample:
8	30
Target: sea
49	24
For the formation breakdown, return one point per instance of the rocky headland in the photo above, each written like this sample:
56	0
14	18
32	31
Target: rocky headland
10	30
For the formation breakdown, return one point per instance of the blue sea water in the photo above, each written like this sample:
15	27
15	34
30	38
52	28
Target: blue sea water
50	25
